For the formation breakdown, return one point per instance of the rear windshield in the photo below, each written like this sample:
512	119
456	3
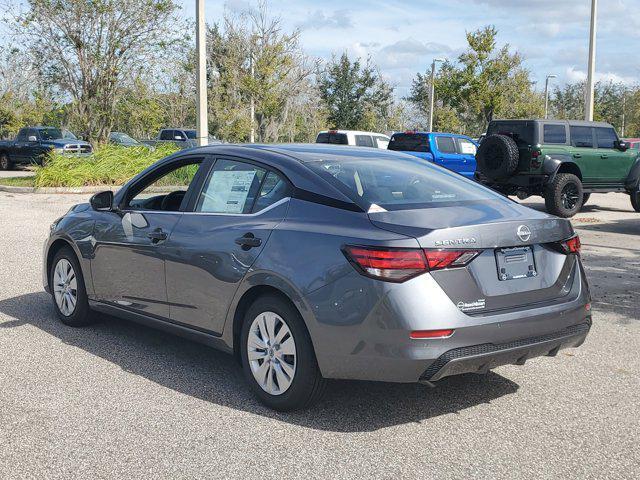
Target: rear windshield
397	183
334	138
521	132
409	142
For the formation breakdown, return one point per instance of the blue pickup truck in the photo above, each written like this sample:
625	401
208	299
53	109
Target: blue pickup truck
455	152
33	144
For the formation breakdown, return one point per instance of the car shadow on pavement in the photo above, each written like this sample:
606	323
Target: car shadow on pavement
627	226
202	372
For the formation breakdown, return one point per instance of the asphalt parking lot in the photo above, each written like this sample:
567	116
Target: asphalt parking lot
122	400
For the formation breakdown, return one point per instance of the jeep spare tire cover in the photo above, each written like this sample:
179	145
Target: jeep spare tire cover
497	156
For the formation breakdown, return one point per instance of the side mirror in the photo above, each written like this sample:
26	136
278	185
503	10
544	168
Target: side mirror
102	202
177	137
33	138
622	145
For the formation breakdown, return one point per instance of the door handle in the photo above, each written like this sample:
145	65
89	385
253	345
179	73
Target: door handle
248	241
577	155
604	156
157	235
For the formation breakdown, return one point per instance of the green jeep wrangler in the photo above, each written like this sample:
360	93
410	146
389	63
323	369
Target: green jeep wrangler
563	161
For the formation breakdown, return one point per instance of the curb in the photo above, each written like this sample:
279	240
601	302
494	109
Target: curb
91	189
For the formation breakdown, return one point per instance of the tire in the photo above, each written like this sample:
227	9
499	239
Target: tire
5	163
79	315
635	200
563	196
585	198
497	157
300	383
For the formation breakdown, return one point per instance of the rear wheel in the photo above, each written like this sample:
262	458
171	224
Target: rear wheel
563	196
68	291
277	355
5	163
635	200
497	157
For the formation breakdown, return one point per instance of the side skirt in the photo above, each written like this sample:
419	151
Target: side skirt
205	338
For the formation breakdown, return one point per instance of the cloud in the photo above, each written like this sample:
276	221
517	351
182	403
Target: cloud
408	53
340	19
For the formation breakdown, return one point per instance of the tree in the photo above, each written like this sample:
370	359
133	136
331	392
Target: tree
356	96
89	50
485	82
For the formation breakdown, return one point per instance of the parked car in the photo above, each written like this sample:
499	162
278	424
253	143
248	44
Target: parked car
124	140
311	262
181	137
563	161
353	138
33	144
455	152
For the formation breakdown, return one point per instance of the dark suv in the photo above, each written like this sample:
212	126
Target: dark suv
563	161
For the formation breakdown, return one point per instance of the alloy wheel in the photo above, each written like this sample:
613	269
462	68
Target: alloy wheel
65	287
271	351
570	196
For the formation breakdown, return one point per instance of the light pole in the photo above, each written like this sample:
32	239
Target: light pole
432	92
546	95
202	126
588	104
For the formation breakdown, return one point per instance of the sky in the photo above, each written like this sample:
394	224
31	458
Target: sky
403	37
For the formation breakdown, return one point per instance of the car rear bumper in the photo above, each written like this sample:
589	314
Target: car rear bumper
482	358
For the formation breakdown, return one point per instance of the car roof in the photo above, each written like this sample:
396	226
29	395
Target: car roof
355	132
575	123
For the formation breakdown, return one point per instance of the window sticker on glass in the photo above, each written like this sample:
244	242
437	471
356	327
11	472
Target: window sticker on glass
467	148
228	191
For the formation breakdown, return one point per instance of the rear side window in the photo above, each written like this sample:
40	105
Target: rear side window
555	134
582	137
606	137
446	144
521	132
364	141
397	183
232	187
409	142
465	147
333	138
274	188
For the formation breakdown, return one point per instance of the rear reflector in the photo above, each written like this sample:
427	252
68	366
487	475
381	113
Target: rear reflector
418	334
400	264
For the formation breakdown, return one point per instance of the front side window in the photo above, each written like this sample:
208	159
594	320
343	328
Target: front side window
446	144
167	192
48	133
398	183
232	187
166	135
555	134
382	142
22	135
364	141
606	137
582	137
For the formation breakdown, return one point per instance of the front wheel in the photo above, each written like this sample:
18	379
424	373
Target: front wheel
67	288
635	200
563	197
585	198
277	356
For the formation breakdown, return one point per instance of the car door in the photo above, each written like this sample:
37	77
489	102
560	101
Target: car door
128	260
467	150
585	155
447	154
617	162
20	145
214	245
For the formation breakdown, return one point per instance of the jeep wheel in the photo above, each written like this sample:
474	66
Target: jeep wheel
497	157
563	196
635	200
5	163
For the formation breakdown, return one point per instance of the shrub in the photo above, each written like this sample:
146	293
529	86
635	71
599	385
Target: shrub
108	165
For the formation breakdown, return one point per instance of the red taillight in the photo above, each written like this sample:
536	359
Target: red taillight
418	334
572	245
400	264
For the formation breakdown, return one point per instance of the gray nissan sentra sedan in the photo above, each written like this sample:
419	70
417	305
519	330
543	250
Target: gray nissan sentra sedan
311	262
